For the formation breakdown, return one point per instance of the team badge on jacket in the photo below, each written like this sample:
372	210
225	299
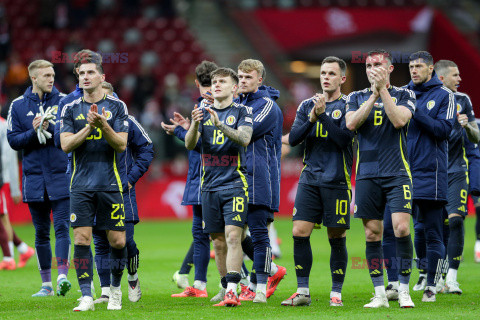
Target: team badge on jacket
430	104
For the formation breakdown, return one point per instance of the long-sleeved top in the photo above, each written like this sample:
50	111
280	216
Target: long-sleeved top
43	166
427	139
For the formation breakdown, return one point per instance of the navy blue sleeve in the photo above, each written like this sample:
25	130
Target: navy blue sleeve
264	120
142	150
469	109
244	117
56	131
440	127
18	138
341	136
301	126
120	123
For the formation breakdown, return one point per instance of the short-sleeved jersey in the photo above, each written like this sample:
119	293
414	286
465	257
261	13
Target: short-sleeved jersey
382	149
457	160
95	163
325	163
223	161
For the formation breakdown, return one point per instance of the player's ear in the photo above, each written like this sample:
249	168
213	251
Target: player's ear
390	68
343	79
197	84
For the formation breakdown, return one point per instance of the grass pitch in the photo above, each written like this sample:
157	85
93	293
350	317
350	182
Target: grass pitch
162	248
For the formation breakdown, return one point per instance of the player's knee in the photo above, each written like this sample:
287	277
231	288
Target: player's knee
219	244
118	242
234	239
402	230
336	233
299	231
373	235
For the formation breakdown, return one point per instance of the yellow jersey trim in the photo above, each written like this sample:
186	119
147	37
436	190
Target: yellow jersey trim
117	175
405	162
74	170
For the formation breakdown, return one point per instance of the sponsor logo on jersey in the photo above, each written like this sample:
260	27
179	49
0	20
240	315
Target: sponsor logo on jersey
336	114
430	104
230	120
80	117
30	113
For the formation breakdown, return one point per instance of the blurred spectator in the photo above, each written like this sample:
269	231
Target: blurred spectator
17	72
61	19
145	89
301	90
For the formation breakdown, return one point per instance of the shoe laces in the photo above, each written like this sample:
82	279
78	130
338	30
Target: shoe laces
294	296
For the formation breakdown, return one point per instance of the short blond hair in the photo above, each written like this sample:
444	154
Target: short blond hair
38	64
251	64
108	86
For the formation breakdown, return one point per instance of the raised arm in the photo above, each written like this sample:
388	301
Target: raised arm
241	136
116	140
192	136
355	119
71	141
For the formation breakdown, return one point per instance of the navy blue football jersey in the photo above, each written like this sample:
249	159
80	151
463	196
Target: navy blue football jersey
457	160
325	163
223	161
95	163
382	149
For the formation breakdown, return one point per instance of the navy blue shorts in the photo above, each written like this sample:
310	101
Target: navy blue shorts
224	207
104	210
321	205
371	196
457	193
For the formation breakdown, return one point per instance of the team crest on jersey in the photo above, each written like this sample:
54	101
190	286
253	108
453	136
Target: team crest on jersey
394	100
73	217
55	109
459	107
108	115
336	114
203	224
355	209
430	104
230	120
294	211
